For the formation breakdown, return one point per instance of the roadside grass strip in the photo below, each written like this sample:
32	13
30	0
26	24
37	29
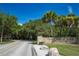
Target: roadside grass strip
66	50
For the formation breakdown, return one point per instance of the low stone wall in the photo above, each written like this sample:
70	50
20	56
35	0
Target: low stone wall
49	40
45	40
71	40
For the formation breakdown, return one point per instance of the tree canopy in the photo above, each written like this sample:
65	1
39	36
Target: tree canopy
50	24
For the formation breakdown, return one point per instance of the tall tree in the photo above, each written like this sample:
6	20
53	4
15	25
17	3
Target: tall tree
7	24
3	19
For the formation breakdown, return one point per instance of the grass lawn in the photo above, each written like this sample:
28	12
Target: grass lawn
6	41
66	49
34	42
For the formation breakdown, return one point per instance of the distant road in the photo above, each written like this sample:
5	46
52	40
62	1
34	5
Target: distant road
17	48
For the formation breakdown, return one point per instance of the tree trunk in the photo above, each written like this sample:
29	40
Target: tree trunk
2	31
2	36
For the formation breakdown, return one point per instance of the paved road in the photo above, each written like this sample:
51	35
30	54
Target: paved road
17	48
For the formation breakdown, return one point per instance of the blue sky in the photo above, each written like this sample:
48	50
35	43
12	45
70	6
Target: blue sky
26	11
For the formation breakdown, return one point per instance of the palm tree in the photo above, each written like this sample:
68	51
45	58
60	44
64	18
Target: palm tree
49	17
3	23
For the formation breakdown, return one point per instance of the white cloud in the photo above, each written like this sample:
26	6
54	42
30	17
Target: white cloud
20	24
70	9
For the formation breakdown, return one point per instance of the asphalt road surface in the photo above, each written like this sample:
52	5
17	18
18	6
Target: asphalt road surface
17	48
